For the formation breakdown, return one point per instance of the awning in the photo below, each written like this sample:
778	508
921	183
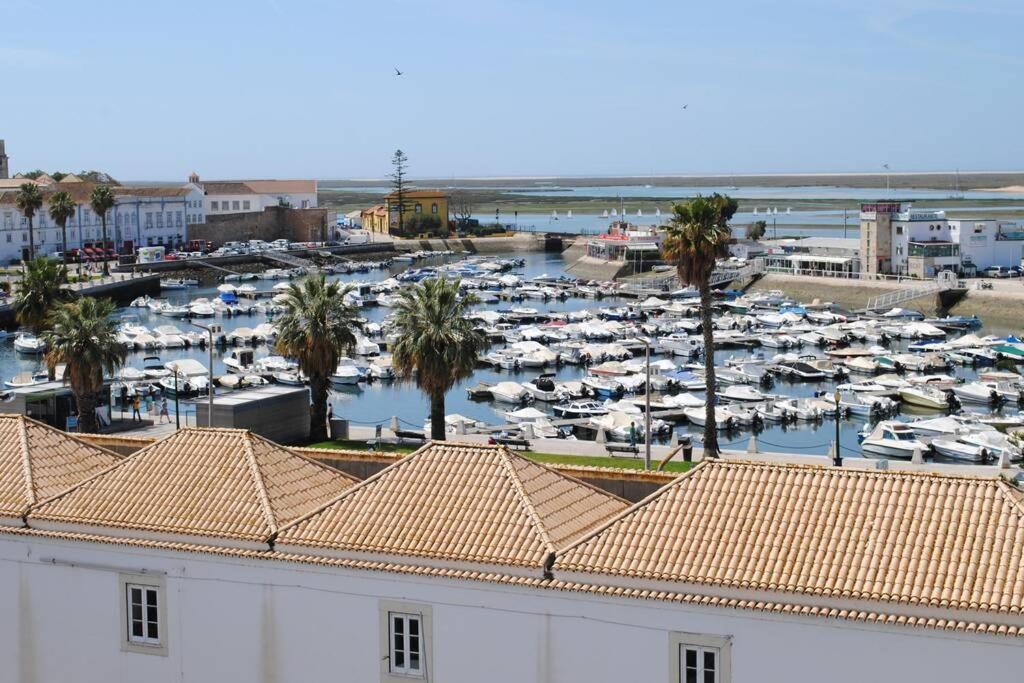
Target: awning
642	247
811	258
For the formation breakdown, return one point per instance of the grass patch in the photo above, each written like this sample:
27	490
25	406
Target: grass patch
601	461
546	458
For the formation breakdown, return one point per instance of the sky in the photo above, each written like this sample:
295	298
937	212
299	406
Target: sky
298	88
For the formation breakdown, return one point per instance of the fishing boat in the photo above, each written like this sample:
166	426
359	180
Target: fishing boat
893	440
579	409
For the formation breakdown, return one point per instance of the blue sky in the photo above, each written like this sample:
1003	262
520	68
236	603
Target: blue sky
294	88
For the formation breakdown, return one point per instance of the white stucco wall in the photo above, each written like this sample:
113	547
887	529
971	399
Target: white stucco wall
250	620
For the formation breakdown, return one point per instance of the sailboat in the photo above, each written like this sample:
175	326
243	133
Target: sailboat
605	214
657	212
639	212
775	210
755	210
788	210
554	215
568	214
614	213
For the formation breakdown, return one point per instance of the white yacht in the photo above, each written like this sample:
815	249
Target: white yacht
893	439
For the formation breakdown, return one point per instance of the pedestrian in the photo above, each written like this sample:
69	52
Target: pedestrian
632	434
136	415
124	399
163	412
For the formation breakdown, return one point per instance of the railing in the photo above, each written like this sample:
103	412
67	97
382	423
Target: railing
944	282
287	259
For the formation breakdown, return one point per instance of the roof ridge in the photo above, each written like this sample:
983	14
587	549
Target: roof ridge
682	478
510	471
975	478
26	465
313	461
261	488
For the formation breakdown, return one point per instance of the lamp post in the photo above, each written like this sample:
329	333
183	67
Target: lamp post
647	406
837	458
209	390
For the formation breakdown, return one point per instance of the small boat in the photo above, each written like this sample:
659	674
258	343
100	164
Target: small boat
178	283
925	396
27	379
239	361
603	387
544	389
697	416
978	393
741	393
288	378
347	372
894	440
28	343
528	414
509	392
803	409
580	409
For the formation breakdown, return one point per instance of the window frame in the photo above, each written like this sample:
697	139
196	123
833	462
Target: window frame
389	609
144	645
700	642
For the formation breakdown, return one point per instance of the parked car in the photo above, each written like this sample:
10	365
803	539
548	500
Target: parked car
999	271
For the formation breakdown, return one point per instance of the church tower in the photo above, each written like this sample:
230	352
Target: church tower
4	171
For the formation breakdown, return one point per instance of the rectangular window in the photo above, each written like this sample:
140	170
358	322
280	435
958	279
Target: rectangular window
700	659
234	205
143	614
405	642
213	206
899	229
245	204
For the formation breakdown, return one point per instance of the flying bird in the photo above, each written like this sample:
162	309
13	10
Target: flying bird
685	106
397	72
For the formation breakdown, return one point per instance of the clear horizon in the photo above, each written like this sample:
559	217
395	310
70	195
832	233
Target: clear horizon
513	89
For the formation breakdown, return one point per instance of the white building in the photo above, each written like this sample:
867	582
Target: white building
986	242
215	555
142	216
246	196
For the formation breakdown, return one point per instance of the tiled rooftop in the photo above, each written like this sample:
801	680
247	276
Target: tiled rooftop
37	462
201	482
461	502
892	536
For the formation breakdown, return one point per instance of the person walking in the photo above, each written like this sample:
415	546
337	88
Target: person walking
164	415
136	415
632	434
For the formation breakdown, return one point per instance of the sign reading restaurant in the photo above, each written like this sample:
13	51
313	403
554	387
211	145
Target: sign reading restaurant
880	207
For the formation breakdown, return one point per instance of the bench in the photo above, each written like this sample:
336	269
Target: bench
616	449
512	442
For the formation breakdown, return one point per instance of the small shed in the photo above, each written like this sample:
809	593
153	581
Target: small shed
276	412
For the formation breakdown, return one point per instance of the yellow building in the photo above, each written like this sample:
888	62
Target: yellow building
375	219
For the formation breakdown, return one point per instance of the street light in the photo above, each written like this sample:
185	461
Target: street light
209	390
837	458
647	405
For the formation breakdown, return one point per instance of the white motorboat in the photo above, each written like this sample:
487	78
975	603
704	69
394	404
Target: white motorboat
682	401
201	310
242	335
862	365
803	370
579	409
925	396
894	440
381	368
347	372
178	283
957	449
742	393
865	403
741	415
239	361
803	409
365	347
184	386
28	343
978	393
619	425
545	389
603	387
509	392
289	378
682	345
528	414
947	425
697	416
27	379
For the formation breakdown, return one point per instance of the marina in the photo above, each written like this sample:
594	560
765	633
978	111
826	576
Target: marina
571	354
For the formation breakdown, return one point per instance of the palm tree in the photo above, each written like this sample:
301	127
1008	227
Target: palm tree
29	200
436	342
698	234
62	207
316	329
102	200
38	292
84	338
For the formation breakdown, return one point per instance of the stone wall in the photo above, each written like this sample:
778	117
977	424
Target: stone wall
275	222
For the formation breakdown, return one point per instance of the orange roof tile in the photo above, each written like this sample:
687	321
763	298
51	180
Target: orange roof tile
38	461
201	482
911	537
457	501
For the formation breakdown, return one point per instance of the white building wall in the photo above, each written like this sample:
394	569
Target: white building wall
225	203
251	620
980	245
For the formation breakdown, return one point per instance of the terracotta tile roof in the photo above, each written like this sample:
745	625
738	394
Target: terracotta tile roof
38	462
918	538
258	186
462	502
951	624
201	482
418	194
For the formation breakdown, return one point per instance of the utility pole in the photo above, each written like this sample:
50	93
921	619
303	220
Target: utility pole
209	390
647	406
837	457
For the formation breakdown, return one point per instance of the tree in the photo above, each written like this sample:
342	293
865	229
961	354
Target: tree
399	162
84	338
102	200
39	290
756	230
436	342
461	202
29	200
420	223
316	329
698	234
62	207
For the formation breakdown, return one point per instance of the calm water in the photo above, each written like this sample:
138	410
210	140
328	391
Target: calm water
376	403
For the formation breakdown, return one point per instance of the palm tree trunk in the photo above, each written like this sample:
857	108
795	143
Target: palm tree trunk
437	416
707	328
64	242
318	408
86	402
31	240
106	266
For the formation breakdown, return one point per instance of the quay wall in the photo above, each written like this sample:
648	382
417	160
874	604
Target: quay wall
520	242
274	222
1001	309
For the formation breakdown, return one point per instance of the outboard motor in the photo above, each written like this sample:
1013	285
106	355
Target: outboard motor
952	401
767	380
900	368
994	398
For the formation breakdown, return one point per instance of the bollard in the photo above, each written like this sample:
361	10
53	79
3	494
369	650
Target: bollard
601	436
527	430
460	428
687	444
394	423
752	445
918	458
1004	459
